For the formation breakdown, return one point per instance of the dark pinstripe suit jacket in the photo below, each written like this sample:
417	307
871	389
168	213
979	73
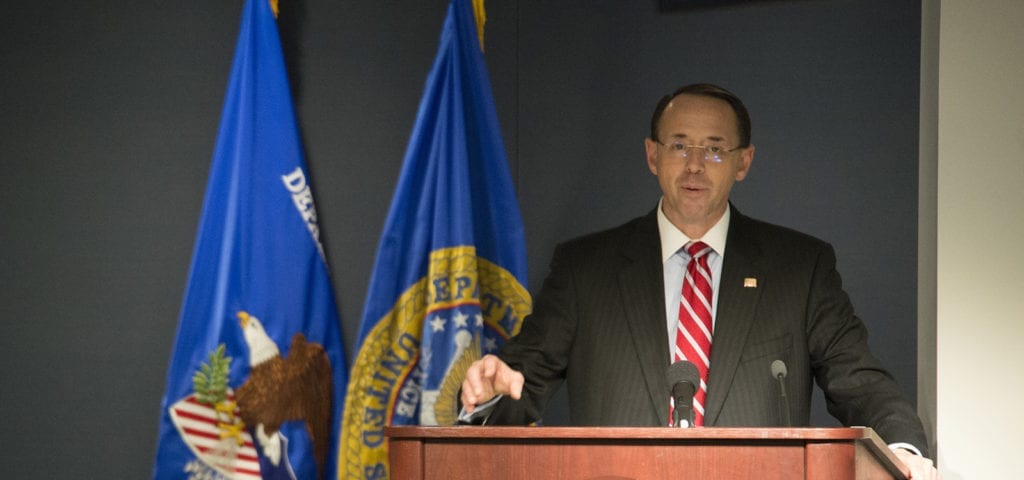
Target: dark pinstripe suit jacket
599	324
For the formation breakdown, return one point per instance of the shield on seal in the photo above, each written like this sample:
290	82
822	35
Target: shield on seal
200	427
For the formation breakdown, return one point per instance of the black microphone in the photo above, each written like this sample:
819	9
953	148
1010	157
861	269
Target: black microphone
683	379
779	372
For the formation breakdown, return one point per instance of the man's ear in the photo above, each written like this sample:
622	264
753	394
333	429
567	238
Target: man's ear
651	149
746	158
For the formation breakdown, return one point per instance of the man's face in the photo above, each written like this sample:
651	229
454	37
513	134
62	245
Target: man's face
696	191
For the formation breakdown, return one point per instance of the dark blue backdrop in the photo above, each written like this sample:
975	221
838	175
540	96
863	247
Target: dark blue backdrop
108	117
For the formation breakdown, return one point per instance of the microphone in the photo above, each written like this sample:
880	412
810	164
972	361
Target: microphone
684	379
779	372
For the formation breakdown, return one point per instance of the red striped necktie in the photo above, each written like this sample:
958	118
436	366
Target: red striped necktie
693	330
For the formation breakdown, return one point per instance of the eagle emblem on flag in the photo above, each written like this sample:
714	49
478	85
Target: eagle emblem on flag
237	433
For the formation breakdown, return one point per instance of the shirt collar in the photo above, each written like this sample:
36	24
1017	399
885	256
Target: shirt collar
672	239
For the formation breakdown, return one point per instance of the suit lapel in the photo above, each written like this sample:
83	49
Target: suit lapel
641	283
737	302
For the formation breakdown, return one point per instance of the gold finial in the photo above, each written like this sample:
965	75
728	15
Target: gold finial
273	7
481	18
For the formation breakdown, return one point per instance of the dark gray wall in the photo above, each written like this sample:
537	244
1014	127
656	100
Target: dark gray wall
108	115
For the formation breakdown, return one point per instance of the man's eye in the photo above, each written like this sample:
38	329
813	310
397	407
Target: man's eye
677	147
715	149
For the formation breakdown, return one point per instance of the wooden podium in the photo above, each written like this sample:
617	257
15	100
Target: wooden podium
536	453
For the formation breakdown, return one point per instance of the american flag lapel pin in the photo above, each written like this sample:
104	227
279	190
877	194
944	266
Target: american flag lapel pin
750	282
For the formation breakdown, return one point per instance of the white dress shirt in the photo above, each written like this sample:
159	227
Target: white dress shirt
674	259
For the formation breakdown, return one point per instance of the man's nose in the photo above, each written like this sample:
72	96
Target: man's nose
694	160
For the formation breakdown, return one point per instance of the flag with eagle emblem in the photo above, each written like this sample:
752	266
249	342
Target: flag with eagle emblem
448	283
257	377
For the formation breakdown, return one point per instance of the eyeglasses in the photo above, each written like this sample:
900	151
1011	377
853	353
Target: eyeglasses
712	153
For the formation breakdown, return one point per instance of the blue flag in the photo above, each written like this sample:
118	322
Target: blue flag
257	378
448	283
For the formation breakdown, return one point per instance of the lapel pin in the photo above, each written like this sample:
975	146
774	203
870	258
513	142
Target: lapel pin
749	282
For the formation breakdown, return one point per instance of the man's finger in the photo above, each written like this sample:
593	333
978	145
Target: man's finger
473	384
468	399
490	366
515	384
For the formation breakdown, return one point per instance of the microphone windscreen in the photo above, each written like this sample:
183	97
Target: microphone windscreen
779	368
682	371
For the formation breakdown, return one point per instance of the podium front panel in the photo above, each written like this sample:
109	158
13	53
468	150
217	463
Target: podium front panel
607	453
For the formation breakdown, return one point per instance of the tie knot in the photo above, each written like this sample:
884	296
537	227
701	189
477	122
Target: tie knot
697	249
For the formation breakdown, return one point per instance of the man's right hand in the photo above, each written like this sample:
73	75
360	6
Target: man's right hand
488	377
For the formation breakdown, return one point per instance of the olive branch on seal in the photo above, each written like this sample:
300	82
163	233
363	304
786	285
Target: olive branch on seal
211	381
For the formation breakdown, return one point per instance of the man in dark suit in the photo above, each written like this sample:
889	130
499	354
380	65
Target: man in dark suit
605	320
